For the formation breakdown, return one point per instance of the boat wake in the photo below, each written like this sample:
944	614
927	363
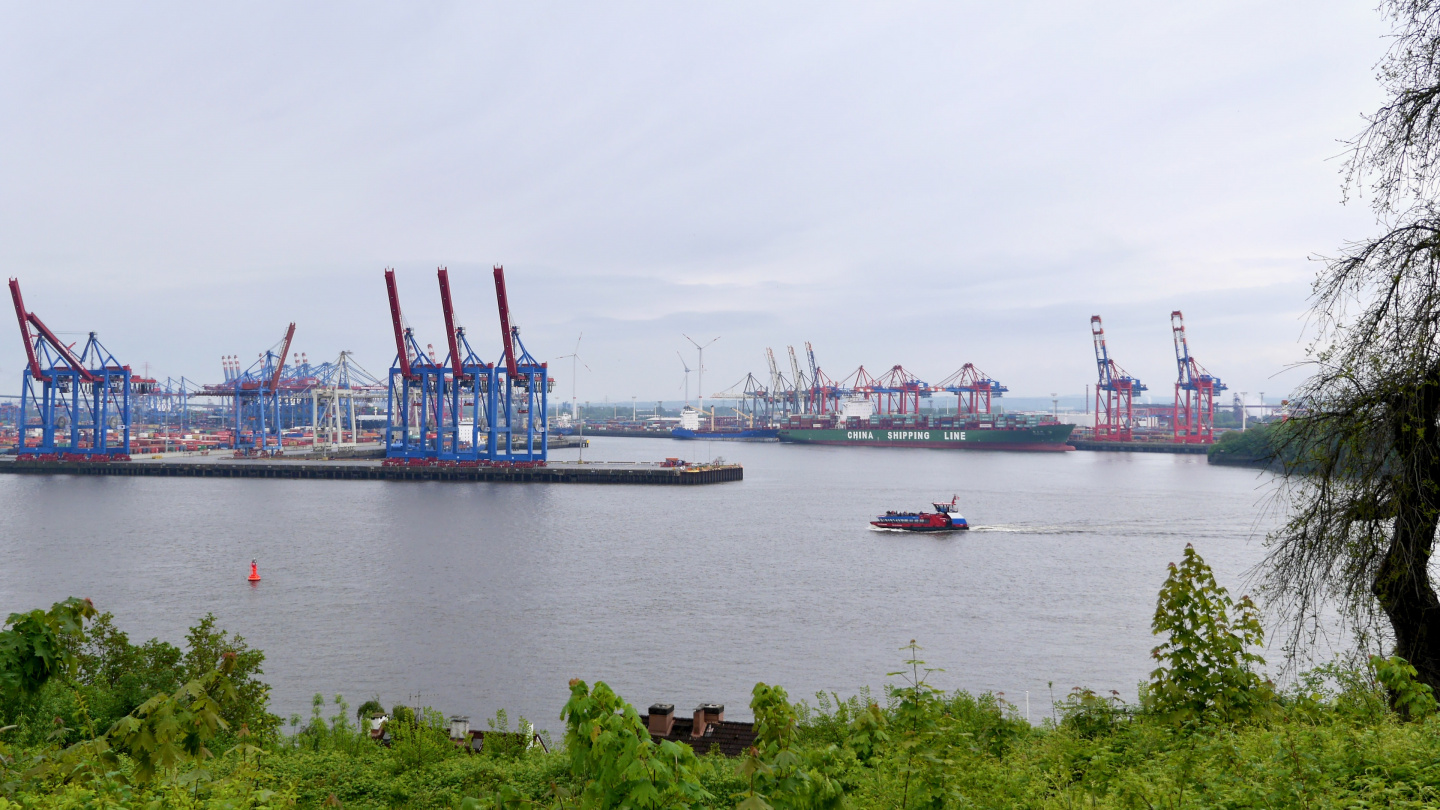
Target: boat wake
1028	529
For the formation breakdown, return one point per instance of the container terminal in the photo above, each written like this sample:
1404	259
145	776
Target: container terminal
896	409
493	419
459	418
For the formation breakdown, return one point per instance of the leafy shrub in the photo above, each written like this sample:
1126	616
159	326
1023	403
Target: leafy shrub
1089	714
611	750
39	645
1206	657
1410	698
204	647
419	738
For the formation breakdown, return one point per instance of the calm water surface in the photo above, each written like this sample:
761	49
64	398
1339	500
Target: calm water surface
478	597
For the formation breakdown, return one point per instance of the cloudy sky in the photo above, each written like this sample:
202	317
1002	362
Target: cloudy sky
926	184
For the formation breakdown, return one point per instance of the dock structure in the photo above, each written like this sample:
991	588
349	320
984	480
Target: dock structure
561	472
1138	447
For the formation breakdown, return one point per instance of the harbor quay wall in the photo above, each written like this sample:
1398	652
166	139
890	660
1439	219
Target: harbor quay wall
1139	447
569	473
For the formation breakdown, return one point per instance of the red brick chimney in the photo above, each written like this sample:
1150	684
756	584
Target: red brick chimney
662	719
698	729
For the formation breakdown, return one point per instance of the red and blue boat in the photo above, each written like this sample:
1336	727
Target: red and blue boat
945	518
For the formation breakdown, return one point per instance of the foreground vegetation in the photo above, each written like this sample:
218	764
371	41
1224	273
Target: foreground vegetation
96	721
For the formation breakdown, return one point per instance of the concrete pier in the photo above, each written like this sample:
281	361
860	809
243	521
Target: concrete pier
556	472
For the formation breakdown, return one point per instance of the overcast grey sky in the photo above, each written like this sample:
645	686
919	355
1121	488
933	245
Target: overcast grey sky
919	183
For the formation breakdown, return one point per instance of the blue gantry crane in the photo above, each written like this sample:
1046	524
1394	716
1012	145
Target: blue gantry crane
80	403
256	390
416	400
463	410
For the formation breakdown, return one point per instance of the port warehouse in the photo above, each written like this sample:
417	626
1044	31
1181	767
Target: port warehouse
91	406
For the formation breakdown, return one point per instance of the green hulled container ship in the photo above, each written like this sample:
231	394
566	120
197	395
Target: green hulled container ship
963	432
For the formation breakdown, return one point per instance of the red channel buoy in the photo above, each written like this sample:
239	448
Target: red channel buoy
254	572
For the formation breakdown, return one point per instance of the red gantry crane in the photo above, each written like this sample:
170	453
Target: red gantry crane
1195	390
1114	392
901	391
973	390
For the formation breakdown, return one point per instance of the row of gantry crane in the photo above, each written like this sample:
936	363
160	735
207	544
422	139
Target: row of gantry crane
79	406
896	391
1193	418
807	389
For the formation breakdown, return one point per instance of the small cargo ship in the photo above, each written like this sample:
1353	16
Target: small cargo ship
696	424
945	518
857	424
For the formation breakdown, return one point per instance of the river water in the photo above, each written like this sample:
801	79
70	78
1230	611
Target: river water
477	597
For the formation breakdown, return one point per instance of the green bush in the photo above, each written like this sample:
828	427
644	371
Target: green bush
1207	732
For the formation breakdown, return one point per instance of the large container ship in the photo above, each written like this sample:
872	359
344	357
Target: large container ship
993	431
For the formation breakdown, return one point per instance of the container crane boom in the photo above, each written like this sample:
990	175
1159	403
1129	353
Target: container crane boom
34	320
1184	364
506	339
775	382
403	357
284	353
445	304
30	357
1102	355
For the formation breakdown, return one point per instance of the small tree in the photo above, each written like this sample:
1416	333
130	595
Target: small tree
920	724
168	731
611	749
1206	657
205	646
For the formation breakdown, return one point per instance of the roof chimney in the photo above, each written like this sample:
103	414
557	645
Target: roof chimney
697	730
662	719
460	728
714	713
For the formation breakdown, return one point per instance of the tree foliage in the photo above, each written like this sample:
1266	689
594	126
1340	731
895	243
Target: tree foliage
38	646
778	771
168	731
1362	461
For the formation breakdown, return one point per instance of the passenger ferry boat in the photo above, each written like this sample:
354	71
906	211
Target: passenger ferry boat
945	518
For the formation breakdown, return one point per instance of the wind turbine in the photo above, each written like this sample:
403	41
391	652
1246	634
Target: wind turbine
686	366
574	358
700	382
574	403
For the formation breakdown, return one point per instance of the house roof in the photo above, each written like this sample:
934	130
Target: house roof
729	737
